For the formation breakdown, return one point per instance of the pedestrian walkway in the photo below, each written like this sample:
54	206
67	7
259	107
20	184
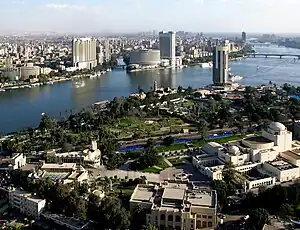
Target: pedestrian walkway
168	162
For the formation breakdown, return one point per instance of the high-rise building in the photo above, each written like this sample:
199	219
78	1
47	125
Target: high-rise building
107	51
155	86
244	37
84	53
167	46
220	65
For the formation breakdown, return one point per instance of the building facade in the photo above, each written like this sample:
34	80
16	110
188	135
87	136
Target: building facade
167	46
26	203
257	160
177	206
145	57
244	37
220	65
84	53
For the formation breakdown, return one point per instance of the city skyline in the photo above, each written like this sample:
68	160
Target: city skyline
106	16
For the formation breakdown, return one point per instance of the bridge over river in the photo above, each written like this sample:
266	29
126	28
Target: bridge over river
266	55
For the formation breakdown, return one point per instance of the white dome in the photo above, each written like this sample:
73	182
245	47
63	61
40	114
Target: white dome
277	126
233	149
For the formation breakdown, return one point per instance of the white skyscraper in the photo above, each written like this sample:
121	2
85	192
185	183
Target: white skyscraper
167	46
220	65
84	53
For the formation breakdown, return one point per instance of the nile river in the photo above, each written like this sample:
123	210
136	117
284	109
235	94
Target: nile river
22	108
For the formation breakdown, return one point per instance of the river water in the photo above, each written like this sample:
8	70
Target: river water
22	108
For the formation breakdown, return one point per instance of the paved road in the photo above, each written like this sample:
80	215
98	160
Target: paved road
180	135
168	173
151	177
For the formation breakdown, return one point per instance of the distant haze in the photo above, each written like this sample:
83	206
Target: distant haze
128	16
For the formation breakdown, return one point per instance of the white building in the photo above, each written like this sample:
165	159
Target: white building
92	155
84	53
26	203
282	170
255	158
13	162
167	46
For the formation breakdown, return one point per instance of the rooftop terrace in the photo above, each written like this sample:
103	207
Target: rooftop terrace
281	164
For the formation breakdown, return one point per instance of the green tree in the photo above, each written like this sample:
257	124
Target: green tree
138	217
149	158
286	210
228	172
258	218
169	140
112	215
67	147
46	123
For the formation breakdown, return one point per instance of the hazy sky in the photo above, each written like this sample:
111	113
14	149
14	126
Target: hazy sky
278	16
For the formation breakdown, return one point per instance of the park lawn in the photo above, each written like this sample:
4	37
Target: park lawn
188	103
176	161
128	126
175	147
162	164
222	140
151	170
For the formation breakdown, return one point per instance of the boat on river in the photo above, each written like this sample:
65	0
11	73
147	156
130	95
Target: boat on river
79	84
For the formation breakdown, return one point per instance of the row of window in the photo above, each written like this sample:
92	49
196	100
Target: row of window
170	218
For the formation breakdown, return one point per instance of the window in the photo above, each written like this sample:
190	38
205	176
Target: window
178	218
209	224
204	216
204	224
209	217
170	218
162	217
198	224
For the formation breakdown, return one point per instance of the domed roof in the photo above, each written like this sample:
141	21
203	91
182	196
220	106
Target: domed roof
233	149
277	126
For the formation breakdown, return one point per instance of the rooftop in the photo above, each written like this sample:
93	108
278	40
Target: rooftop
293	154
201	198
257	140
143	193
59	166
174	193
281	164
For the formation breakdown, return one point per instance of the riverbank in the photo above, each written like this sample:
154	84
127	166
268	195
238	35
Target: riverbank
51	81
22	108
156	68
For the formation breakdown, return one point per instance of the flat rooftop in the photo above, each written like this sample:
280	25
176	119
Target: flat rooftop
143	193
173	193
293	154
55	176
59	166
201	198
281	164
257	140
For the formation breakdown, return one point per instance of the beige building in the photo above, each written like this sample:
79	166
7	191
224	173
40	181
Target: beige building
92	155
84	53
26	203
64	173
177	206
